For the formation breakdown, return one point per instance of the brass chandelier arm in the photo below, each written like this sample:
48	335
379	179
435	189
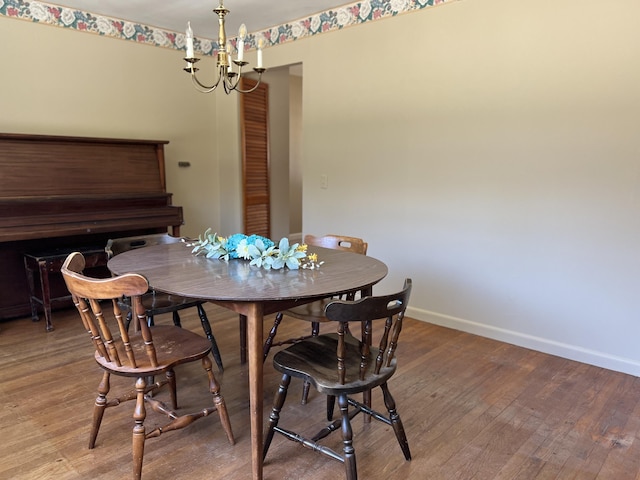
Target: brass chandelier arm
201	87
259	72
224	76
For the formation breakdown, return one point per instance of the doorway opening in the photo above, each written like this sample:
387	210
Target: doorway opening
283	178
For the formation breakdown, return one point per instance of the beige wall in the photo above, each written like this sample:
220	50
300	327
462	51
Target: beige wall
278	80
488	149
295	154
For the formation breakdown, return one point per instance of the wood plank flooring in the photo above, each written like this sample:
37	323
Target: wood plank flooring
473	408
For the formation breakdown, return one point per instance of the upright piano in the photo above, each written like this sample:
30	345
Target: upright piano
75	192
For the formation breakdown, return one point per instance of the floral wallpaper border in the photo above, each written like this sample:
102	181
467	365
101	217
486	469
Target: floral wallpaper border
345	16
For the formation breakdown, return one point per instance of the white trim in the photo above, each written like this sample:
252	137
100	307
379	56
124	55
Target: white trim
545	345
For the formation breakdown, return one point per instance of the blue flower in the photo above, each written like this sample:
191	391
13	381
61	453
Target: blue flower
232	244
251	240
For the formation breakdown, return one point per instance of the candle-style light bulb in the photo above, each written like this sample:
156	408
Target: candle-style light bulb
242	34
260	46
229	50
189	37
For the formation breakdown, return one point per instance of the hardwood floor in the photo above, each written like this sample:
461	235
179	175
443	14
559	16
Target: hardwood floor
473	408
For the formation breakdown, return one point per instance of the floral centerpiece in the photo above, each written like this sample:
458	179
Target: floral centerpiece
261	251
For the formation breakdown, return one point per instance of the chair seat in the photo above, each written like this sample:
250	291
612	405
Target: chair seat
174	345
160	303
311	312
314	359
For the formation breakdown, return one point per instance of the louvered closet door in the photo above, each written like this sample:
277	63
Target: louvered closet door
254	120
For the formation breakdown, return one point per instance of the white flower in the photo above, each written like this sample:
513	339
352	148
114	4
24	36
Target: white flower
67	17
180	40
40	12
399	5
343	17
243	249
315	23
274	35
297	30
104	26
160	38
129	30
365	9
206	46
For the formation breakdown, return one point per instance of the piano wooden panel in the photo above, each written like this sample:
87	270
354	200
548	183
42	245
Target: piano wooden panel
66	192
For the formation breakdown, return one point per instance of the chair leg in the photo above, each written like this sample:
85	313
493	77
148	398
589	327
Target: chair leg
99	408
218	400
171	377
366	332
139	415
366	400
272	334
242	325
347	439
176	319
150	379
127	322
305	392
396	423
331	404
274	417
206	326
315	331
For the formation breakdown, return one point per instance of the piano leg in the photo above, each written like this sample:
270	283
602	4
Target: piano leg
32	289
46	295
31	263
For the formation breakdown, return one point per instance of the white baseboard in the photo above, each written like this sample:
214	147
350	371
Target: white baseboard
572	352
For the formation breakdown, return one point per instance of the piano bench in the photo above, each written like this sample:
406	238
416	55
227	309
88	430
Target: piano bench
48	262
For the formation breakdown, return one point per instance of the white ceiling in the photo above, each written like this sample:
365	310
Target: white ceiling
174	14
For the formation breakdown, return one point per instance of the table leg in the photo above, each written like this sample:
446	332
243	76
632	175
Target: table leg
255	317
242	322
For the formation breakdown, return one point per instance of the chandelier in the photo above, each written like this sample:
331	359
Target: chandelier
227	77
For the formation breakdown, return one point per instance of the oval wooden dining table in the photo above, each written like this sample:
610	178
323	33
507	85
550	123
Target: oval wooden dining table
250	291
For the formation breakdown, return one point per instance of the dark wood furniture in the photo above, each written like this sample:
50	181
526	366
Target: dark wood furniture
339	365
74	193
41	265
313	312
252	292
151	351
157	303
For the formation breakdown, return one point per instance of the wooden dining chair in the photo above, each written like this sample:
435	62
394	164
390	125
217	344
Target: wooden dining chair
158	303
149	352
339	365
314	312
